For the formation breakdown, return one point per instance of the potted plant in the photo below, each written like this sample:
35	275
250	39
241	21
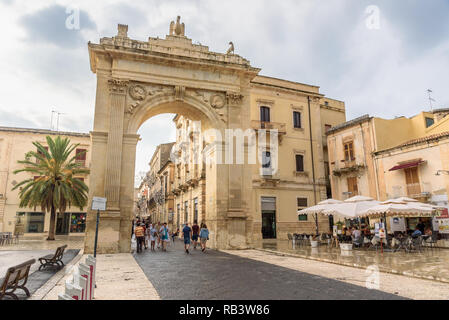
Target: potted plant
314	241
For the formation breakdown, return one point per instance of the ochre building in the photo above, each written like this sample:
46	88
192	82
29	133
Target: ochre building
14	144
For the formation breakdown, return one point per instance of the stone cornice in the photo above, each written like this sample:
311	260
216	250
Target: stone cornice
286	90
167	58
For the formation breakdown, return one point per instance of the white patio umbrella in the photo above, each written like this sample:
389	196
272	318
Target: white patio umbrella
352	207
320	207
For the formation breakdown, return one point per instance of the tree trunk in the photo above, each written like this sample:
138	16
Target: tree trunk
51	231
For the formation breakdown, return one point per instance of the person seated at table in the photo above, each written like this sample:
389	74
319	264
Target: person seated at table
356	233
417	233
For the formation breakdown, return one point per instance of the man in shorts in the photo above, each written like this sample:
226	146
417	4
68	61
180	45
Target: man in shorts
187	232
195	233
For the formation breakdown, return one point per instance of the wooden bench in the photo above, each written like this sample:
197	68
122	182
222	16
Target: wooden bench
53	259
16	278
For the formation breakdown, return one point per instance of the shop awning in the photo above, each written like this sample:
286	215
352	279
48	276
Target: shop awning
407	165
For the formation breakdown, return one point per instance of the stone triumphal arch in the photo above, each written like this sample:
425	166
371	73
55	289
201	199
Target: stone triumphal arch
139	79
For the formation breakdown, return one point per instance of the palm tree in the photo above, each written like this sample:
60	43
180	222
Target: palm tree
55	186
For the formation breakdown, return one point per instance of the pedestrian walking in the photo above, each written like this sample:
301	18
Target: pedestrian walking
165	237
174	235
158	228
139	231
187	233
147	235
204	236
153	237
195	233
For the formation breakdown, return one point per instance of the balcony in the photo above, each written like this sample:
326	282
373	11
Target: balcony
412	190
348	166
82	163
260	125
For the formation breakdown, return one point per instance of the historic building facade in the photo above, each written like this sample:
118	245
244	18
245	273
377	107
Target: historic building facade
277	195
14	144
387	159
140	79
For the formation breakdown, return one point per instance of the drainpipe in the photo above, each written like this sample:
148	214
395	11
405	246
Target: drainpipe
313	163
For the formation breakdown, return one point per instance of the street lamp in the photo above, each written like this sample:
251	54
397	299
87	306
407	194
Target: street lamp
439	172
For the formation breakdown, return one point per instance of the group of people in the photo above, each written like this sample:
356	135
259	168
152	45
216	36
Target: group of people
148	235
193	234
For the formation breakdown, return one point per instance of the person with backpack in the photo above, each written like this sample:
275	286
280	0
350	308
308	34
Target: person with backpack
140	237
204	236
164	236
187	233
195	233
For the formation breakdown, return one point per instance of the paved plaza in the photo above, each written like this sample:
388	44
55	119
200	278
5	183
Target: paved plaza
219	275
431	264
275	271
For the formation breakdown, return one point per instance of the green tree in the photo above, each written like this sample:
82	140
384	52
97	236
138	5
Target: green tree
53	186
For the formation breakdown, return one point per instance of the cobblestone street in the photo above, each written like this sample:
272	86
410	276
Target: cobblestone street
220	275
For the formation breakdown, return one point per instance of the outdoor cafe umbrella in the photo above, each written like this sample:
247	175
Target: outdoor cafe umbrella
352	207
399	208
319	208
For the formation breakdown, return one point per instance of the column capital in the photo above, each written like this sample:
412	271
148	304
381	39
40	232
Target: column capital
234	98
117	86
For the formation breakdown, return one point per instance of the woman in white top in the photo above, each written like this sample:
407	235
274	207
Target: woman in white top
153	237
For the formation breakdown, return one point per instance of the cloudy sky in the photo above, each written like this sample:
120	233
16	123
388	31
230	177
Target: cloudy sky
378	66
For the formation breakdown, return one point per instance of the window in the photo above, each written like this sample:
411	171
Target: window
302	204
297	119
327	127
178	215
264	114
80	157
352	186
412	181
429	122
299	163
186	212
195	209
266	164
78	223
266	160
349	151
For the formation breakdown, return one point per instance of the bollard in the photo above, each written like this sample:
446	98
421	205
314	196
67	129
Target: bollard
63	296
73	291
84	272
81	282
92	262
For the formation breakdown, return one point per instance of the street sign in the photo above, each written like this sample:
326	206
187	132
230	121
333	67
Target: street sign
99	204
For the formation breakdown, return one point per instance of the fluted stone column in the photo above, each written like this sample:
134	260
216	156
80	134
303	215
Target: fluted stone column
117	89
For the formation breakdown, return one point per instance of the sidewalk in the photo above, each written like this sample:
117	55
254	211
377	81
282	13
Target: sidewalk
119	277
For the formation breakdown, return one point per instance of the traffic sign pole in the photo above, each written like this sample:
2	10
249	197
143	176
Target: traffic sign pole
96	233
